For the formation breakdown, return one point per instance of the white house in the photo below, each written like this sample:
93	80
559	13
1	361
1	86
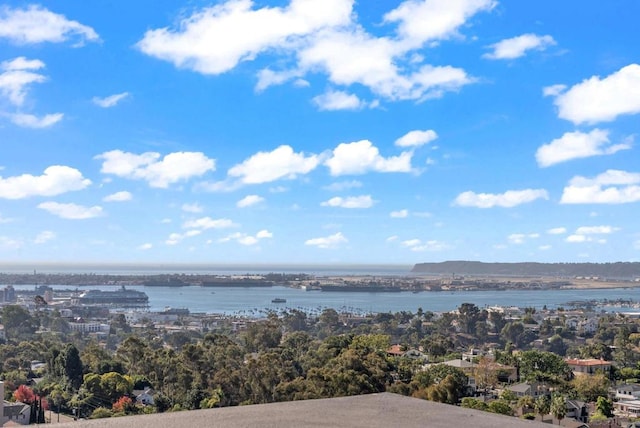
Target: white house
629	391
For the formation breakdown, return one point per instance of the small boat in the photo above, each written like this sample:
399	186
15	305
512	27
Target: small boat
279	300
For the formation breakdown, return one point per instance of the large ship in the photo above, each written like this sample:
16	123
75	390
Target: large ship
165	282
122	298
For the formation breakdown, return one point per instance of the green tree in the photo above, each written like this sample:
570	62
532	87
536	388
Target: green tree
604	406
542	405
558	407
589	388
500	407
18	322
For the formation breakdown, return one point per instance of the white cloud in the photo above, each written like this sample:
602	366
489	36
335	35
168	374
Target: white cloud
22	63
175	238
35	24
430	20
71	211
44	236
343	185
553	90
509	199
516	47
7	243
392	238
32	121
55	180
249	200
264	234
418	245
331	241
362	156
173	168
110	101
364	201
215	39
194	208
208	223
602	100
146	246
557	231
416	138
575	145
610	187
544	247
5	219
281	163
338	100
313	37
245	239
520	238
17	77
122	196
584	234
399	214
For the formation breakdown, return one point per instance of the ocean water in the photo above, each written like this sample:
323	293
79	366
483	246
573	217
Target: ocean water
254	301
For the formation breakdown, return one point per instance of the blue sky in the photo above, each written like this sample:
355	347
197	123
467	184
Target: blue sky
303	131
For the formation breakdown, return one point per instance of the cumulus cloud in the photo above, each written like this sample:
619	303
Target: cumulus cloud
331	241
340	186
416	138
516	47
520	238
602	100
338	100
44	236
122	196
55	180
585	234
281	163
248	240
324	37
175	237
71	211
575	145
418	245
364	201
399	214
173	168
557	231
110	101
204	223
31	121
17	77
35	24
509	199
249	200
610	187
194	208
362	156
7	243
145	246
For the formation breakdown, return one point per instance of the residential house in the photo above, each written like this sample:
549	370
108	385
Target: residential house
532	389
628	407
144	397
589	366
627	391
15	412
577	410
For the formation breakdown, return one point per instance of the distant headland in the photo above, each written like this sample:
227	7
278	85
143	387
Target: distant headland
620	270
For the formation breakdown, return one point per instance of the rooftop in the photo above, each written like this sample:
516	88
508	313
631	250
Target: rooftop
370	411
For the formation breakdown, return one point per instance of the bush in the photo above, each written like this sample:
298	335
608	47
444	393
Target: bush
101	412
529	416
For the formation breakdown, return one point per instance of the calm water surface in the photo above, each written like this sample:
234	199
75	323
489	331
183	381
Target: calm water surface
255	300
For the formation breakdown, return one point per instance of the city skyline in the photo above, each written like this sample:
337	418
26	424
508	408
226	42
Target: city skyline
304	132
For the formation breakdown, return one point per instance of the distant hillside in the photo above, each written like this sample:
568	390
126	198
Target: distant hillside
603	270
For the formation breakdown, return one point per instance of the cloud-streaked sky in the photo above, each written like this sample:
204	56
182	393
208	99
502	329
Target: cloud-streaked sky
305	131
